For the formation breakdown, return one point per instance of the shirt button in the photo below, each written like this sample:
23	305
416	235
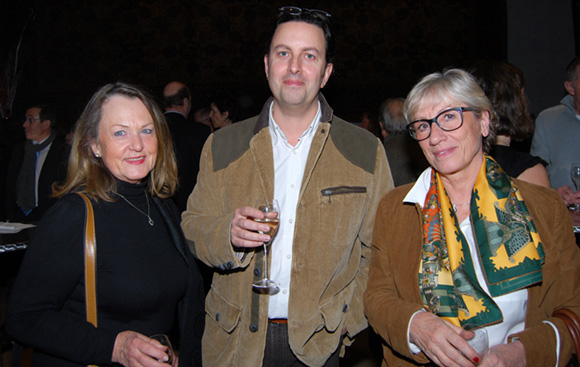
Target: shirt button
292	186
291	221
288	256
294	152
284	291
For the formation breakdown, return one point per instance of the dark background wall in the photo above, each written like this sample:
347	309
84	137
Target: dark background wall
70	48
541	43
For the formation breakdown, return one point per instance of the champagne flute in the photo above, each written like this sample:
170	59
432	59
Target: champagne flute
575	176
164	340
479	342
271	211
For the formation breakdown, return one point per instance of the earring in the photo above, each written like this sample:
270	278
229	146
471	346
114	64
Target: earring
97	155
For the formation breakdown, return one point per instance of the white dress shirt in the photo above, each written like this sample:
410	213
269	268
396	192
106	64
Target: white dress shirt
289	165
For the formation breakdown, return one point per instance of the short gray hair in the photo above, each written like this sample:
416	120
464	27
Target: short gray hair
451	84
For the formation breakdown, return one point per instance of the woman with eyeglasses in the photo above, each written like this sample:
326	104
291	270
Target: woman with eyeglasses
467	244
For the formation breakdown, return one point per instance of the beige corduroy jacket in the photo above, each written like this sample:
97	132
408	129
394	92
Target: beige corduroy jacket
346	174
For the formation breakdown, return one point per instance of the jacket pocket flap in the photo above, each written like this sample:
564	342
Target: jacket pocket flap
226	314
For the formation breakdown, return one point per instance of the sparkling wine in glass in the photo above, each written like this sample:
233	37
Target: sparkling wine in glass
271	212
575	176
164	340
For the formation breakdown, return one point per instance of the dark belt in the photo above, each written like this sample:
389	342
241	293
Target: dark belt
278	321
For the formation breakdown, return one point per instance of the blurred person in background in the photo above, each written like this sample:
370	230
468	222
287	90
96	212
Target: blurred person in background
503	85
556	138
35	165
405	157
222	110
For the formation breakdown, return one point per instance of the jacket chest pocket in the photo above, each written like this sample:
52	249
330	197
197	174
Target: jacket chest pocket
342	190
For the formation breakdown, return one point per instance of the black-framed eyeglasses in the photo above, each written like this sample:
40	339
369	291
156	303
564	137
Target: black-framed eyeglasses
294	10
31	120
448	120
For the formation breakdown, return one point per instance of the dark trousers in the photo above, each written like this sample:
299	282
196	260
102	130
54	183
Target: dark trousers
279	354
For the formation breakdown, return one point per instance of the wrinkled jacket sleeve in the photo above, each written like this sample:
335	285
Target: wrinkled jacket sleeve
206	221
388	310
382	183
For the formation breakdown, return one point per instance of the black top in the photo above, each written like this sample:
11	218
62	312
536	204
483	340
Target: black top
512	161
142	275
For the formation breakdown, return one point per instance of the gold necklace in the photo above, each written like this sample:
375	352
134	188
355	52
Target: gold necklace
151	222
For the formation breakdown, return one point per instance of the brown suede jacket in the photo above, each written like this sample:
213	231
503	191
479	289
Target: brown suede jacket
345	177
393	294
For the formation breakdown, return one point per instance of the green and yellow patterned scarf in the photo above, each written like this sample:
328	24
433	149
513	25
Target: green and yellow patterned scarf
508	248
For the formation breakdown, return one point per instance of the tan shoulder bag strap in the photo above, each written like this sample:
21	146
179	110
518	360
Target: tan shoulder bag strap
90	260
90	256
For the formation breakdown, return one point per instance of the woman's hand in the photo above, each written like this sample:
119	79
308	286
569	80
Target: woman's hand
441	341
136	350
505	355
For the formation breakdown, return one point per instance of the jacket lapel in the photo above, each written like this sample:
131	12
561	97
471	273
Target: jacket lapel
316	147
261	148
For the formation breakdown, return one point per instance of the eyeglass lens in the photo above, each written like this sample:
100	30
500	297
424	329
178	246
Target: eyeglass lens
447	120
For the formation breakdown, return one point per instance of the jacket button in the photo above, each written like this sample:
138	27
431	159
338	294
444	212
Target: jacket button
253	328
217	317
344	308
257	272
230	265
222	268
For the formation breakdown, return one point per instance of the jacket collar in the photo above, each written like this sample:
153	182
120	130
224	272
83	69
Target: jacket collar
263	119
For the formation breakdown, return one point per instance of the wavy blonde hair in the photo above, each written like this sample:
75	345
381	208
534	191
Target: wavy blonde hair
88	174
